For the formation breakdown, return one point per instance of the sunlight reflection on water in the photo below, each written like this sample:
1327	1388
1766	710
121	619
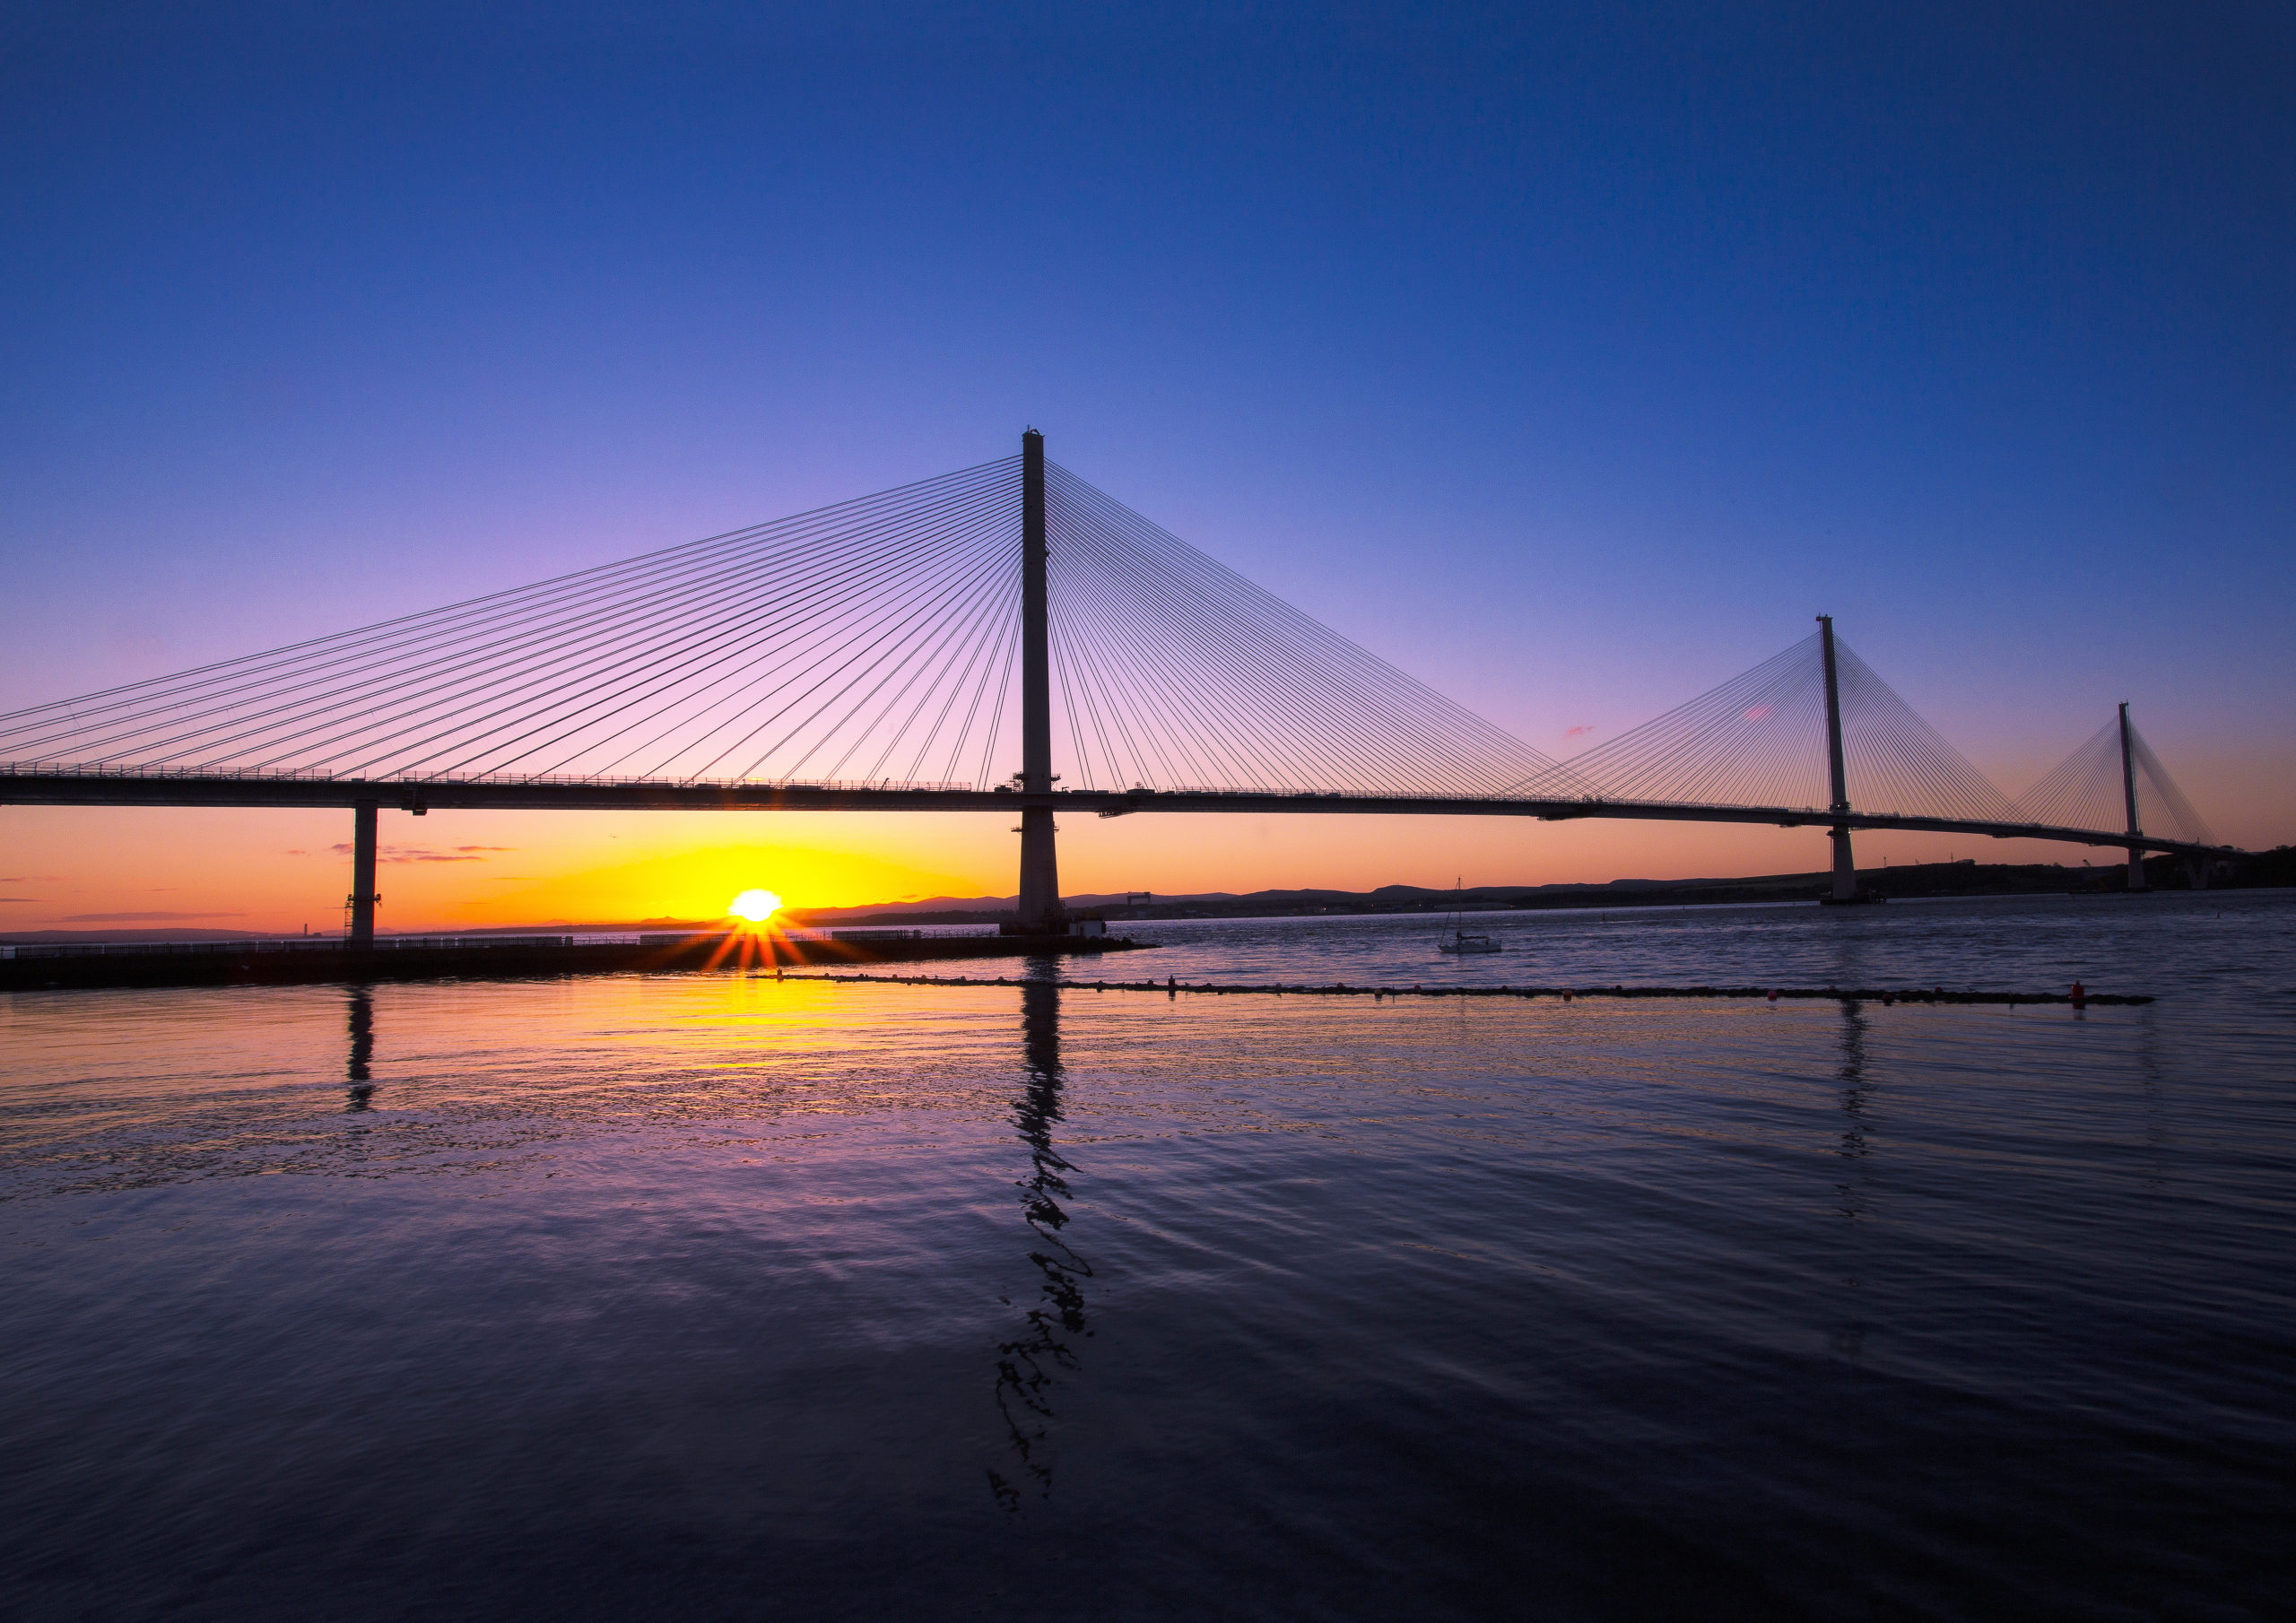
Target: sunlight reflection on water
712	1295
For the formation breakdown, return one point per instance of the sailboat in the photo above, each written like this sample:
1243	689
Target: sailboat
1462	939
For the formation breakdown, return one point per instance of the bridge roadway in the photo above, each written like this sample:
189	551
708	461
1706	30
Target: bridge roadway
21	787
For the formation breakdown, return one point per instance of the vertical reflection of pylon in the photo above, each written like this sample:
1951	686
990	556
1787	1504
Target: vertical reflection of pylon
363	1048
1026	1366
1848	1334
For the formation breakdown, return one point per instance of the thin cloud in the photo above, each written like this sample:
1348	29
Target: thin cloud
1575	732
141	918
424	854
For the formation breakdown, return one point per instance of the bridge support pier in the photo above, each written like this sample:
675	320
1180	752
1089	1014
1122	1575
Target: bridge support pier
1041	911
363	876
1845	867
2129	795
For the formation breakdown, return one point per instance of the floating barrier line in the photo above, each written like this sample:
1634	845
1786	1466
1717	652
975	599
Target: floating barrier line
1860	994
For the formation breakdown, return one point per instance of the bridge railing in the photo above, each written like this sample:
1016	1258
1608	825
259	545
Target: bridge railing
1139	797
1599	805
37	769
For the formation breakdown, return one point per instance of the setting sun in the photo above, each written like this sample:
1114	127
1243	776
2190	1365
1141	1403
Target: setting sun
755	905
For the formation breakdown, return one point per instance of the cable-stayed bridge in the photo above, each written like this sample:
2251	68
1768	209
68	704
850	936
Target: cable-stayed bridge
1007	637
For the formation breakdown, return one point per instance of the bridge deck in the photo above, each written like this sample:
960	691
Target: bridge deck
53	788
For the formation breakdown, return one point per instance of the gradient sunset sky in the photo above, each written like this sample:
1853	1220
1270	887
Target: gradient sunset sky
1569	358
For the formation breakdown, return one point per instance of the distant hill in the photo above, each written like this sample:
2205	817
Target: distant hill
1966	877
2276	867
30	938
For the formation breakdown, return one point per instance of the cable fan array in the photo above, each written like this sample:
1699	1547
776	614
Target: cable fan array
1760	740
1175	671
871	641
2085	791
874	642
877	643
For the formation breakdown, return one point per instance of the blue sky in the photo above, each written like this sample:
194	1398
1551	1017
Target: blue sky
1570	357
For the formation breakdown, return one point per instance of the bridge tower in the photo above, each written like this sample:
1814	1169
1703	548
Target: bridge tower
2128	797
1040	912
1845	867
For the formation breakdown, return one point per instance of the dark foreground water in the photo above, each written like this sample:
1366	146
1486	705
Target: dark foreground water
717	1298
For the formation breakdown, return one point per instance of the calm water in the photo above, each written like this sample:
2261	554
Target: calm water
719	1298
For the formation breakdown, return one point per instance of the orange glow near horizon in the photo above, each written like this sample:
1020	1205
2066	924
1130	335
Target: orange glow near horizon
119	869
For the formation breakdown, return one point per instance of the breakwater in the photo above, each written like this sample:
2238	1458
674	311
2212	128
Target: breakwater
294	962
1174	986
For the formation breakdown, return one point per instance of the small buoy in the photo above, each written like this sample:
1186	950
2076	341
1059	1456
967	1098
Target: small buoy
1566	997
1773	995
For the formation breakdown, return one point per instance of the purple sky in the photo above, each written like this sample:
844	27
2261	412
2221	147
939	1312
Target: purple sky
1570	360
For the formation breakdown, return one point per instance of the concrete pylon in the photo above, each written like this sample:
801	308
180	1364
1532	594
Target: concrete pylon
1845	866
1040	912
363	876
2128	795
